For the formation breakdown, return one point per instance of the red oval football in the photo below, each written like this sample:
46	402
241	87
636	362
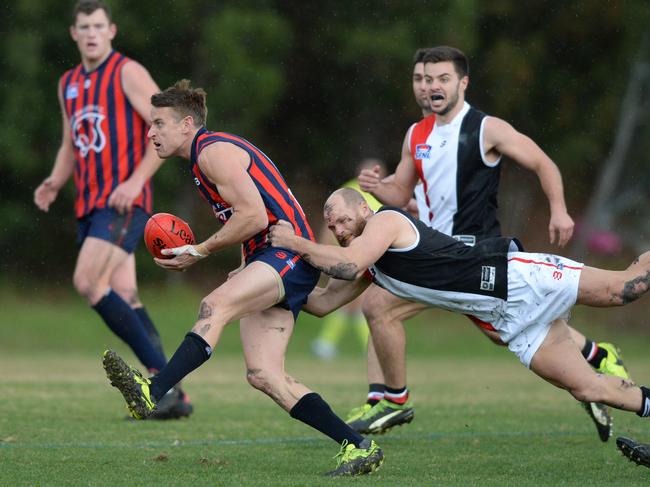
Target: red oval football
166	231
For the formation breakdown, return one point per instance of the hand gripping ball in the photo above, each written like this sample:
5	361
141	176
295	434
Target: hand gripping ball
166	231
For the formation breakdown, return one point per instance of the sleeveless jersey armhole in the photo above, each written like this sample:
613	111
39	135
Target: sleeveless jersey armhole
480	138
415	229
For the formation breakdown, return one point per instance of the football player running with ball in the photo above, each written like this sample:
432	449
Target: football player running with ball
248	195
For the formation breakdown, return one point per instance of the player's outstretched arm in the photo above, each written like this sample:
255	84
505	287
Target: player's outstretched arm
337	292
48	190
396	189
349	262
138	88
501	137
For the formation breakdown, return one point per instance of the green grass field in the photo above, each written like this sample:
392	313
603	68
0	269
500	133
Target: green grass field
481	418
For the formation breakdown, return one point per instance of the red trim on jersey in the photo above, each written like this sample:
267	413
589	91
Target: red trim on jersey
69	106
268	185
419	135
120	123
289	266
107	155
481	324
93	186
548	264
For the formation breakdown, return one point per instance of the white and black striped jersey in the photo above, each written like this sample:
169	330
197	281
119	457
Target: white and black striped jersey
441	271
460	185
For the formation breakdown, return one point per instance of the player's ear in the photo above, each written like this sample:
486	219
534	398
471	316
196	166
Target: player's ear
188	123
464	81
112	31
73	33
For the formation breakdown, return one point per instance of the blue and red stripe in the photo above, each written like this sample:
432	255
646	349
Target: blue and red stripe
276	195
98	172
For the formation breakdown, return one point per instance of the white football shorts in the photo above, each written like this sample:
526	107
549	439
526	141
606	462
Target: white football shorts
541	289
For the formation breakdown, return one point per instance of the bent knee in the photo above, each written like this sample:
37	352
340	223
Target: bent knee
87	287
259	378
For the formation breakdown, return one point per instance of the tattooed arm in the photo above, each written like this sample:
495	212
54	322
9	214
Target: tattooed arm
349	263
337	292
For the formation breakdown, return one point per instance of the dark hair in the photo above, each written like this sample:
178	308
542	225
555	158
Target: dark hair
418	57
185	100
88	7
445	53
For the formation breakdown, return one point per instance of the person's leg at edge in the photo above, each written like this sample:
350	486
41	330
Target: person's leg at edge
96	263
559	361
385	313
124	283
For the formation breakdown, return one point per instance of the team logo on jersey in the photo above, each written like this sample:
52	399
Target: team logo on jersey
72	91
290	263
422	151
87	83
87	130
223	213
281	255
488	277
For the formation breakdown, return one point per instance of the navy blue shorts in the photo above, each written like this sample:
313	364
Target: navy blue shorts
125	231
298	277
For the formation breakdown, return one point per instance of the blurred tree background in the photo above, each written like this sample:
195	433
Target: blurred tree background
319	85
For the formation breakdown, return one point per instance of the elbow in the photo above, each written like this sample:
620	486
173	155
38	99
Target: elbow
255	223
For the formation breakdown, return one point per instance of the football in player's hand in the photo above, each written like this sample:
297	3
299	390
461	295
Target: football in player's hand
166	231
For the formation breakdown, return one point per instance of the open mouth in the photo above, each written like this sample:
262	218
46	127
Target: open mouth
437	97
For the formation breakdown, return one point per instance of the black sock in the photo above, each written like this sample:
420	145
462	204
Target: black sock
125	323
311	409
644	412
593	353
150	328
190	355
375	393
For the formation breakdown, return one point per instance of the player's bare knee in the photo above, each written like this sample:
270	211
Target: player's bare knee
258	378
375	310
86	287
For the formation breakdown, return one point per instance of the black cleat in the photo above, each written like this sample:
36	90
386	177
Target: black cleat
599	413
173	405
638	453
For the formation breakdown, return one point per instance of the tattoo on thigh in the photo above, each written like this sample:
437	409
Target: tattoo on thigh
634	289
205	311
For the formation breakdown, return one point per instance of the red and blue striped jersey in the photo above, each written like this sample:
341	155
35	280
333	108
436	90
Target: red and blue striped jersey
108	134
279	201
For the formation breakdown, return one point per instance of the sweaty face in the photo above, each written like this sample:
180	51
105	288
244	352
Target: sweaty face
420	88
444	87
345	223
93	34
166	132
